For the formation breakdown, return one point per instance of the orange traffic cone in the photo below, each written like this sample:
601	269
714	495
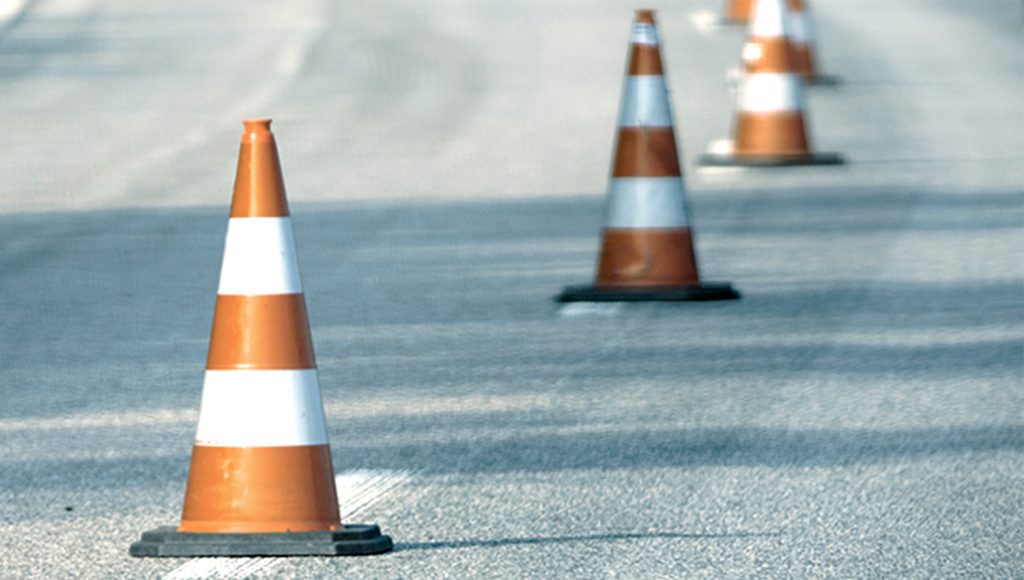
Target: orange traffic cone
647	252
803	39
770	128
261	481
738	11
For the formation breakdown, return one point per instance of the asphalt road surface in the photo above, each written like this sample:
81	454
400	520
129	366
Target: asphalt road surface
859	413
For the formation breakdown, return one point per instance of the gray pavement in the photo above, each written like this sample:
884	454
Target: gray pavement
859	413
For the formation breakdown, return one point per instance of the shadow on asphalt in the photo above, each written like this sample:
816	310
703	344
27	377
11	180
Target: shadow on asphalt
611	537
744	447
373	265
476	278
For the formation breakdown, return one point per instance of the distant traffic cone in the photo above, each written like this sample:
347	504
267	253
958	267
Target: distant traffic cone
261	481
647	251
803	40
769	128
738	11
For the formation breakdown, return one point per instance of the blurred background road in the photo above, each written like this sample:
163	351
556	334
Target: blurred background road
859	413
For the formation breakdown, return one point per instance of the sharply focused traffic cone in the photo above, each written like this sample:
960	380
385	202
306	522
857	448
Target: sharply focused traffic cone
738	11
647	251
261	481
803	41
769	129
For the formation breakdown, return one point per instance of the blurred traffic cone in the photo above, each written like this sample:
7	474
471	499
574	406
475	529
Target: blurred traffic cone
738	11
803	39
647	251
261	481
769	128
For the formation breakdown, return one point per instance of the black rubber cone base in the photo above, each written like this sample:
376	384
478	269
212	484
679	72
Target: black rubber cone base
350	540
824	81
731	160
704	292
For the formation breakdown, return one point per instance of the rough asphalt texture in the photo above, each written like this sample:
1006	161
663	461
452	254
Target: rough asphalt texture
859	413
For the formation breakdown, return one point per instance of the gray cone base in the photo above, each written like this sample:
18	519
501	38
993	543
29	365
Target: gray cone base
350	540
705	291
732	160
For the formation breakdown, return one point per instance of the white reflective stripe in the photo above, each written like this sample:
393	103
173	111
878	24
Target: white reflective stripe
771	92
645	102
800	28
259	258
265	408
769	20
645	202
644	33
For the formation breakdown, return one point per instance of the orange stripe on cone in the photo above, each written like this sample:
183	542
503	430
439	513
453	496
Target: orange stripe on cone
644	257
260	489
644	60
779	133
261	332
773	55
646	152
803	61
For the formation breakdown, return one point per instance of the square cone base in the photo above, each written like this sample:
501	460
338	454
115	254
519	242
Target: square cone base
350	540
701	293
733	160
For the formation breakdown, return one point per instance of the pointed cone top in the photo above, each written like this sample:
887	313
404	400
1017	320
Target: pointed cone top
259	185
769	19
644	57
645	16
739	10
254	125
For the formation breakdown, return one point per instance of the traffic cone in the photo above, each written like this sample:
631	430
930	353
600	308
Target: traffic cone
738	11
803	39
647	251
769	128
261	481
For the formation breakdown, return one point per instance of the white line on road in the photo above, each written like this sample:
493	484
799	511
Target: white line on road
575	309
357	491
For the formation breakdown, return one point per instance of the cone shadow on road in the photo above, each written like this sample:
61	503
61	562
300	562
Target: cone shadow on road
582	538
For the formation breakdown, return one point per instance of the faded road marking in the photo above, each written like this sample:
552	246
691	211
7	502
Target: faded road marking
357	491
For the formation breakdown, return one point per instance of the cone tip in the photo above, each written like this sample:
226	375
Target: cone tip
645	15
258	124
